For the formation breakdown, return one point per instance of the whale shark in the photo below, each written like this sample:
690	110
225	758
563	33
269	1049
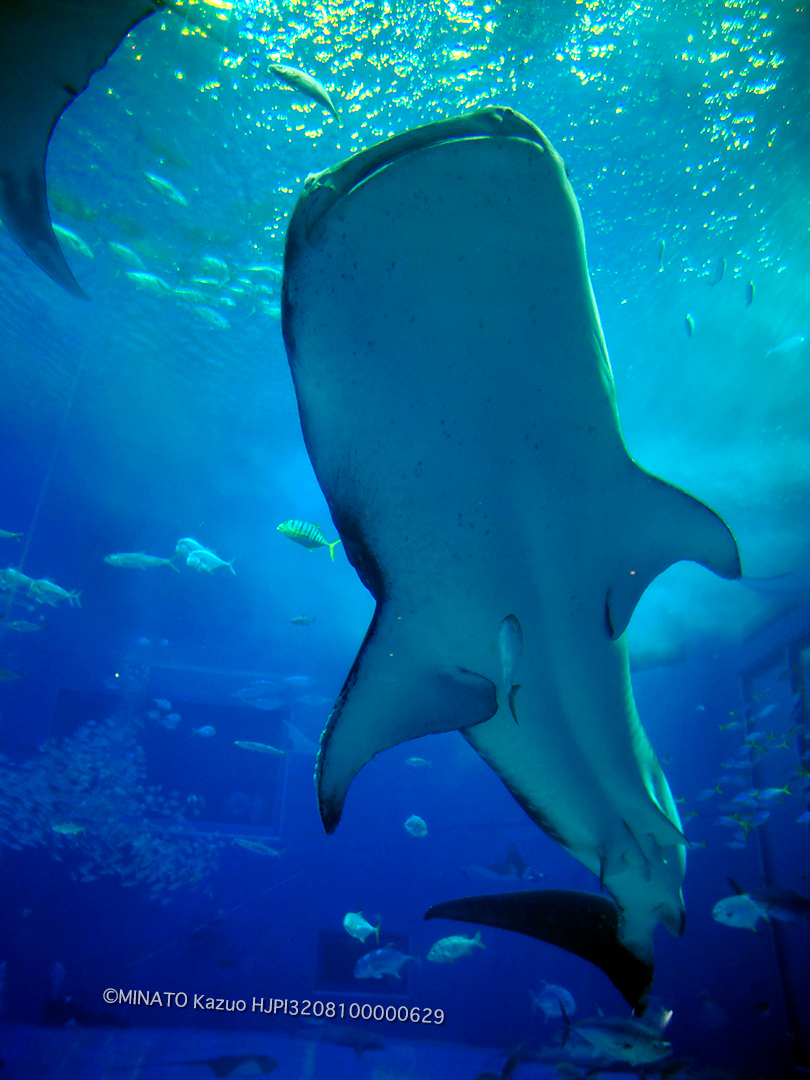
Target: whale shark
458	407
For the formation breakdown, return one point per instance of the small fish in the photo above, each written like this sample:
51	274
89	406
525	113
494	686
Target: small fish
749	293
274	272
689	324
307	535
68	828
73	241
741	912
771	794
126	253
6	535
419	763
186	544
266	704
708	793
259	747
449	949
416	826
137	560
358	927
22	626
309	87
788	345
207	560
215	261
13	579
257	846
166	188
162	703
153	714
46	592
171	720
803	819
387	961
514	865
510	648
205	732
730	763
8	676
302	620
662	248
151	282
553	1000
719	271
212	317
746	797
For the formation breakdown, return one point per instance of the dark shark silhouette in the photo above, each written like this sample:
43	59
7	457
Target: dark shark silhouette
513	866
229	1064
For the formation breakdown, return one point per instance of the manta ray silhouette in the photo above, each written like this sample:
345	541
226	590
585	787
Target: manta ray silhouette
48	51
459	410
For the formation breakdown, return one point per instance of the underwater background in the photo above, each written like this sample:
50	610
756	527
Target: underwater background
140	848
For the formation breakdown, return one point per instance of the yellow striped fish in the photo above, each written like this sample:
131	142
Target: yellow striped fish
307	535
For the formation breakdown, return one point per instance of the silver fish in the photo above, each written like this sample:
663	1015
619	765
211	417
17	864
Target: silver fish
305	84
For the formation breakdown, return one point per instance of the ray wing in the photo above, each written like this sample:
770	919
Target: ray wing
458	407
49	49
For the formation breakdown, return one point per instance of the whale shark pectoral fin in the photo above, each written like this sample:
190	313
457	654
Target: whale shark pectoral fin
583	923
670	526
391	696
48	52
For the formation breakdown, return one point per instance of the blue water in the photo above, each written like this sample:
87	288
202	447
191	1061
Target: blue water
145	416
